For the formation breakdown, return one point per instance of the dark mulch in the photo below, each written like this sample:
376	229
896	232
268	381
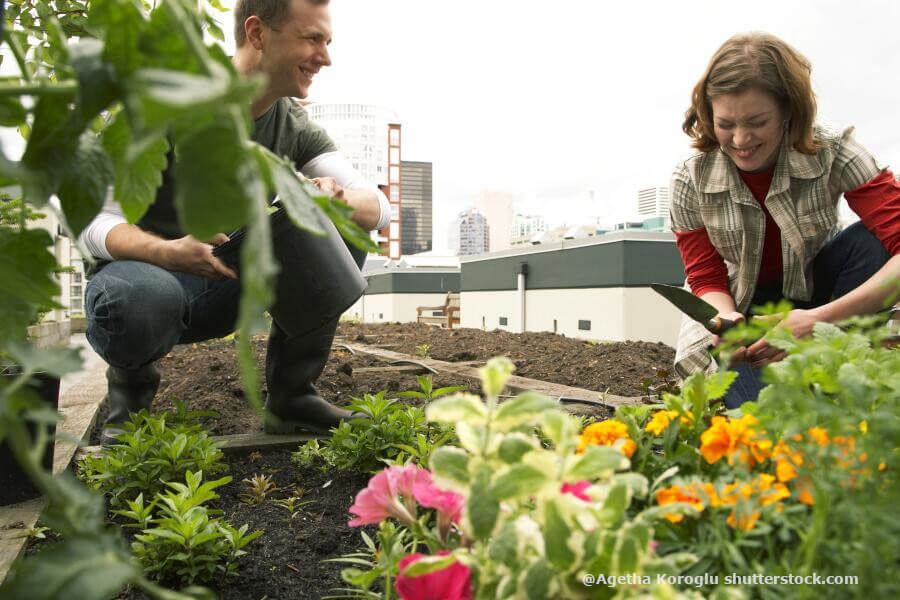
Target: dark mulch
287	560
205	375
617	368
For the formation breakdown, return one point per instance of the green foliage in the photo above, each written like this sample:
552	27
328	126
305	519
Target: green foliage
257	490
152	451
422	350
426	392
292	504
377	563
185	545
389	432
105	88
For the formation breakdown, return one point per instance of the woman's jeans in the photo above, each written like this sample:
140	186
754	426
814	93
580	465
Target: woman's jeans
842	265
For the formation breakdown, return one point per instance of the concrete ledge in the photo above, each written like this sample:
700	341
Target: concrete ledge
46	335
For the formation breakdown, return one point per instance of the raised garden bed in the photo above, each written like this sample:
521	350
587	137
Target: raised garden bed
205	375
286	561
617	367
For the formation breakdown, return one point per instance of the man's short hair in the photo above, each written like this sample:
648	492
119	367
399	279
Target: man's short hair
273	13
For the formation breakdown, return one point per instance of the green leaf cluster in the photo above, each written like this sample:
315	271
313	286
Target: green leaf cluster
185	544
529	539
389	432
150	453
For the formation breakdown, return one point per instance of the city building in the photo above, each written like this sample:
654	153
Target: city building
497	208
470	233
415	207
525	228
653	202
361	134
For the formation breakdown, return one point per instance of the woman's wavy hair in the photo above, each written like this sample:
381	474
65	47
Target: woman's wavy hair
765	62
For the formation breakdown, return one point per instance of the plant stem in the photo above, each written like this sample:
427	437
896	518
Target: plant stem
39	89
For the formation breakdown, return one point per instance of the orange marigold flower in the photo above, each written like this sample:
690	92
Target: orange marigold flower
743	520
679	493
607	433
733	438
769	491
803	491
786	461
818	435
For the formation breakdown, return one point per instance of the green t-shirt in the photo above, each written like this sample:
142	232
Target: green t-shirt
285	129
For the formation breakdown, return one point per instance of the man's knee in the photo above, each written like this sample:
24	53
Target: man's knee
135	313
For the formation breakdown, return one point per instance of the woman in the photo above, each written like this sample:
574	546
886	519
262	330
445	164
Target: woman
755	211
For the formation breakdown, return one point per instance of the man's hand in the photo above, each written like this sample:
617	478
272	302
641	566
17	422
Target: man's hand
189	255
329	186
799	322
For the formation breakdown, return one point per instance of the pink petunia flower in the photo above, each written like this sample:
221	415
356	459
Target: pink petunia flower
388	494
577	490
447	503
449	583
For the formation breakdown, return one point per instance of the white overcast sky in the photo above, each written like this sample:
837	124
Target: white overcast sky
549	99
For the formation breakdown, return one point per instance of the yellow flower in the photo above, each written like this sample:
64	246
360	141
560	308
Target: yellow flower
864	426
607	433
660	420
769	491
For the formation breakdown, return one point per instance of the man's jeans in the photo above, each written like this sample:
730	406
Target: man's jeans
138	312
842	265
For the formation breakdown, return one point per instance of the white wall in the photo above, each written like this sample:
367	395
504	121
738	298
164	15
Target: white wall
381	308
616	314
482	310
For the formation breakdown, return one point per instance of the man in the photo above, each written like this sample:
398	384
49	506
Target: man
162	288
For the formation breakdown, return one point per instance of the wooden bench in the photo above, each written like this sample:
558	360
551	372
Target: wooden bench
449	312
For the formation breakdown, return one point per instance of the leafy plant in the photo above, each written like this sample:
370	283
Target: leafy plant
422	350
185	545
257	489
292	504
151	452
104	89
514	519
426	391
378	563
388	429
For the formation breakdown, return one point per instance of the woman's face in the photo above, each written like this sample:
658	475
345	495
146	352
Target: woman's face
749	127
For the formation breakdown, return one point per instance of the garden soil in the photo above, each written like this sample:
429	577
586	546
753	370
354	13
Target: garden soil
205	375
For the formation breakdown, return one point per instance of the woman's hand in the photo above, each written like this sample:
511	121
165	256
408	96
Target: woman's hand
799	322
737	317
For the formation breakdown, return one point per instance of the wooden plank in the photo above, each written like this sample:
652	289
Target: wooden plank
398	369
516	383
237	442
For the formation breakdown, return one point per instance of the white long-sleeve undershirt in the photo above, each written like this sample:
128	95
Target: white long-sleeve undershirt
330	164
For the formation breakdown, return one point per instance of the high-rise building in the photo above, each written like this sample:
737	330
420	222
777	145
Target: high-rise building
415	203
497	208
361	134
470	233
525	228
653	202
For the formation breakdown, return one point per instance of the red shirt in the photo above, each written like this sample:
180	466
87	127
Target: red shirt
877	203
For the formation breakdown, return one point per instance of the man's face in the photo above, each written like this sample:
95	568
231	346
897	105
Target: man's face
294	52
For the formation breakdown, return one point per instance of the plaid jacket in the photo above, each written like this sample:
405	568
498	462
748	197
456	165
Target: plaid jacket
706	191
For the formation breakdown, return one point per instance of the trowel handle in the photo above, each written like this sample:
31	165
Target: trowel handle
718	325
